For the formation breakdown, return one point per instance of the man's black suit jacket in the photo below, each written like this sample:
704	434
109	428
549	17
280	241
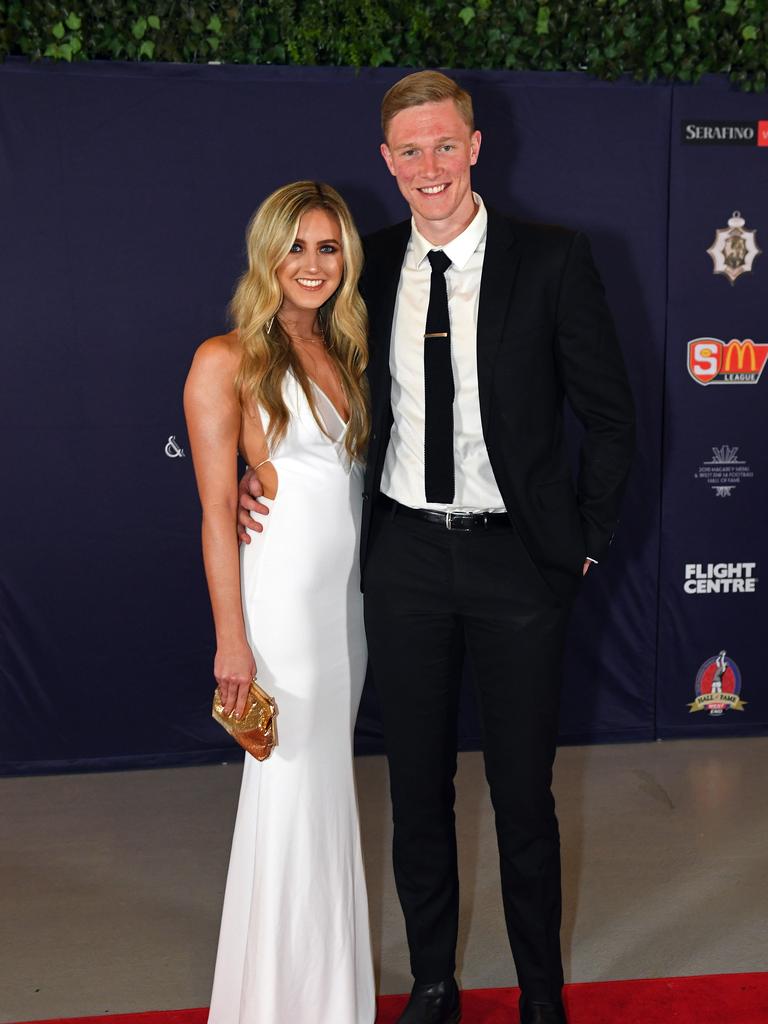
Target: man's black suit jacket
544	333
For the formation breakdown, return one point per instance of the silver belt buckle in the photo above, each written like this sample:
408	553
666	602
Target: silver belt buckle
449	521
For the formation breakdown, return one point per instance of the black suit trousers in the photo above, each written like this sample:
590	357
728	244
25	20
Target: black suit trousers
432	595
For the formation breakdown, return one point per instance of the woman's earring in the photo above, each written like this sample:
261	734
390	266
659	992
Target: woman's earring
269	323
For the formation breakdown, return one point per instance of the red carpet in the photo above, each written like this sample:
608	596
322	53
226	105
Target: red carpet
713	999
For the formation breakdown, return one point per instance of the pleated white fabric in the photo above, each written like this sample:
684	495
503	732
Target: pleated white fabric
295	946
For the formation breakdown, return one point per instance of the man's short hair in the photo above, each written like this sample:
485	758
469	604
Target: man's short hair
425	87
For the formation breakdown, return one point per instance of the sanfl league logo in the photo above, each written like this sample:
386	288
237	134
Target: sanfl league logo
712	361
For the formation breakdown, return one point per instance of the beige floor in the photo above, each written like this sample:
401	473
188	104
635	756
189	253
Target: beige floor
111	883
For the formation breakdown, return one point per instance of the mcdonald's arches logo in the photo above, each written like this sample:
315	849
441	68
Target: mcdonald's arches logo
712	361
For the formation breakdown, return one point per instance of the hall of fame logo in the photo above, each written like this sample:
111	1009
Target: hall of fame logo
718	686
734	249
712	361
724	471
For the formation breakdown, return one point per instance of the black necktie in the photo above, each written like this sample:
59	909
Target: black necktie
438	387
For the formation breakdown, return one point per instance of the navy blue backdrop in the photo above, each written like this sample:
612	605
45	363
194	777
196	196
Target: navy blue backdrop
125	191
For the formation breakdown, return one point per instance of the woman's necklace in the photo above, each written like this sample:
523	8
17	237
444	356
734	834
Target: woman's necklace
309	341
314	339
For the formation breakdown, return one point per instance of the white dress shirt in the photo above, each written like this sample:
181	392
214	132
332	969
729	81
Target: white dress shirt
476	489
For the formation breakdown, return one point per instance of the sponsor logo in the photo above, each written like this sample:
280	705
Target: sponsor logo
712	361
724	471
718	685
172	450
720	578
725	133
734	249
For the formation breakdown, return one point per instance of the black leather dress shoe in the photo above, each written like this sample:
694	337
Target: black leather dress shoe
541	1013
436	1003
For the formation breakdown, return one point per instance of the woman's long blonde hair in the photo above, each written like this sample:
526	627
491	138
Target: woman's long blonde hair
267	355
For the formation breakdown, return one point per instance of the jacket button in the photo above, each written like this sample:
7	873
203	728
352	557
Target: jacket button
365	497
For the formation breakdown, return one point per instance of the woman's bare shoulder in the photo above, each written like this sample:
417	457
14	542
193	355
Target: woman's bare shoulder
221	353
214	369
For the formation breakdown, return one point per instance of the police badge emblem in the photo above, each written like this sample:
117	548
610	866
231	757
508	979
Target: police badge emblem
734	249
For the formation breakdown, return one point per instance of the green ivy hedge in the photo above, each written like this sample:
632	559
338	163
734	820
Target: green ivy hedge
648	39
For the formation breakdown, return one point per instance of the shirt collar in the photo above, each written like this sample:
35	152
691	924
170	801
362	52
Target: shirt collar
459	249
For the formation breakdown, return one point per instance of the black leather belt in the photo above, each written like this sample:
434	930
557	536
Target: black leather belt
460	521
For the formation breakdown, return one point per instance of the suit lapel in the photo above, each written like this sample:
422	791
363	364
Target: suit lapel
499	271
384	255
385	265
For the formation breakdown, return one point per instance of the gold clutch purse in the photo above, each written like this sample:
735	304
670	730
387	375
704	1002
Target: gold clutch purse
256	729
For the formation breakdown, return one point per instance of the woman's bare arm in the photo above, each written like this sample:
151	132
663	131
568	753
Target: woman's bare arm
213	417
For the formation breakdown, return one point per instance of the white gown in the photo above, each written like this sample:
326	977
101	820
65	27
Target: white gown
294	946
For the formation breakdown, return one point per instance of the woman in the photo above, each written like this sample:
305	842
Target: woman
287	389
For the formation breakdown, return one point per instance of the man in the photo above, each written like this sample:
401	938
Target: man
474	538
